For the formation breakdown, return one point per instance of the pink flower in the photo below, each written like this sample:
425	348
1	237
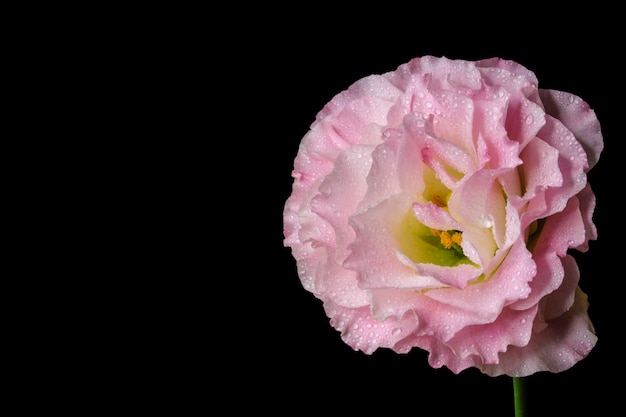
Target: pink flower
434	207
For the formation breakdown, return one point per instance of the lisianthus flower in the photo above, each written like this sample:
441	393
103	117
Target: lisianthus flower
434	207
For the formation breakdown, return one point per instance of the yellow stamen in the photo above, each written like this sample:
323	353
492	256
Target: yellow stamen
446	239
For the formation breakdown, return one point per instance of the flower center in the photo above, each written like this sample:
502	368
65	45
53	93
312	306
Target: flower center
449	238
422	244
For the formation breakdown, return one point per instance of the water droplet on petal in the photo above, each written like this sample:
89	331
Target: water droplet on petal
529	119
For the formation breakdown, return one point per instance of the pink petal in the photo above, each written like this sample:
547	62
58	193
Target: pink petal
451	74
540	168
478	200
512	228
587	201
307	173
432	317
486	299
341	191
438	218
573	159
560	300
478	346
524	119
365	101
382	179
374	254
525	115
339	195
565	341
578	117
456	276
453	122
410	174
552	197
363	332
438	153
435	217
339	285
489	116
560	231
498	70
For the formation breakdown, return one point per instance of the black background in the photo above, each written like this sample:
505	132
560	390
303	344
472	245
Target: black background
281	353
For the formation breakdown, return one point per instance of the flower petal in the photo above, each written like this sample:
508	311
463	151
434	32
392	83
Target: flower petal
560	231
374	252
560	345
579	118
587	203
363	332
480	346
509	283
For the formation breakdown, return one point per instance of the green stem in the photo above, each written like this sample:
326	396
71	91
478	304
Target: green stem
519	396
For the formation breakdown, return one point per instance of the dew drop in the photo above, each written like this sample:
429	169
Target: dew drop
529	119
